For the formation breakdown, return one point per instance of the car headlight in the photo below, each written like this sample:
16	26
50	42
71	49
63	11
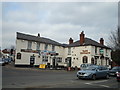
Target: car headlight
87	74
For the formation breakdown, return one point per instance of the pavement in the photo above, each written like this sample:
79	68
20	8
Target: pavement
21	77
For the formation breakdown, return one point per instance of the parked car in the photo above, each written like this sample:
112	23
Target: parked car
2	63
85	65
118	76
7	60
113	71
93	72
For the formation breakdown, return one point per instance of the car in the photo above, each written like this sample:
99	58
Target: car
7	60
93	72
118	76
85	65
2	63
113	71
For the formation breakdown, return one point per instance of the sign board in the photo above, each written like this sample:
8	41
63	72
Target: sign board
101	51
42	66
85	52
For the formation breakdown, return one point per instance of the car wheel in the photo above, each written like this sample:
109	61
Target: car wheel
78	77
107	76
94	77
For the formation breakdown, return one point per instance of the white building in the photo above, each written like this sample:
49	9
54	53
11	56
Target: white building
35	50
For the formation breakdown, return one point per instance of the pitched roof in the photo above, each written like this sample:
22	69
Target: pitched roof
36	38
88	41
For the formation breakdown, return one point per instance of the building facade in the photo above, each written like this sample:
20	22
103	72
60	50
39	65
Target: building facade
36	50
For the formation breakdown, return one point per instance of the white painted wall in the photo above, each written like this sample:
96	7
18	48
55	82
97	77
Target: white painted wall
63	52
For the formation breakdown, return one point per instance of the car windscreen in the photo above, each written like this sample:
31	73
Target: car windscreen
115	68
91	68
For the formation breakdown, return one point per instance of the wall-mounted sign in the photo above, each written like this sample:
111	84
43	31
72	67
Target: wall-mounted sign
101	51
40	52
28	50
85	52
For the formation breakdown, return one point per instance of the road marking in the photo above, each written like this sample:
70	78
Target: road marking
95	83
100	81
105	86
88	83
98	85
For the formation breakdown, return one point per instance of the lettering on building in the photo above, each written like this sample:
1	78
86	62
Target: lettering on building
85	52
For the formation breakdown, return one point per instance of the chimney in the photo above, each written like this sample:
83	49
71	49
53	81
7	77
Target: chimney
38	34
70	41
102	41
82	38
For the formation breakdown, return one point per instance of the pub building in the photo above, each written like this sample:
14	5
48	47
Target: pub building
35	50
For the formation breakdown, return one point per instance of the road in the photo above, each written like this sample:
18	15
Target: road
17	77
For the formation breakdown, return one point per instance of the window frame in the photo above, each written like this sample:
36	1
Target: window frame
29	45
85	59
38	46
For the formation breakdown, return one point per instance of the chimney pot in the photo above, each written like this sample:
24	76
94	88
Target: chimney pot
38	34
102	41
82	38
70	41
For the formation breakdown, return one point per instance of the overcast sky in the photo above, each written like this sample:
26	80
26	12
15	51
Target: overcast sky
58	20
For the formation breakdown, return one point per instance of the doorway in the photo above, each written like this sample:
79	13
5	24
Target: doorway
32	60
53	62
69	61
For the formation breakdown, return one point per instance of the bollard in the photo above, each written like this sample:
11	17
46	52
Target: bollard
69	68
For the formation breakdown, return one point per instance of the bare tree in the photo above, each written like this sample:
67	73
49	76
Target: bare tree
115	45
115	39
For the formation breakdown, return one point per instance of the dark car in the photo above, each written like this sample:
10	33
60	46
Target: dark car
2	63
118	76
7	60
93	72
113	71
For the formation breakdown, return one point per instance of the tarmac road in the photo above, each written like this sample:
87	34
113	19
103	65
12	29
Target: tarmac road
17	77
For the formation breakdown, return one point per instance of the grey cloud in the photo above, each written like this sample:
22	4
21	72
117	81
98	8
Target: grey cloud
60	21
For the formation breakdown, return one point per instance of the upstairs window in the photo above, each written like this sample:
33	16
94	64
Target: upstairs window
69	51
29	45
106	52
38	46
95	50
53	48
46	46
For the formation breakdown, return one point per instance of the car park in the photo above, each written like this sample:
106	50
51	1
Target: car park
93	72
118	76
113	71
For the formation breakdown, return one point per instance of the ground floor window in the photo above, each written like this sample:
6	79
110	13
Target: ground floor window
18	55
92	60
59	59
85	59
45	58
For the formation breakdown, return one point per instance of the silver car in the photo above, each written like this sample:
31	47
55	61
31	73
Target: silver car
85	65
93	72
